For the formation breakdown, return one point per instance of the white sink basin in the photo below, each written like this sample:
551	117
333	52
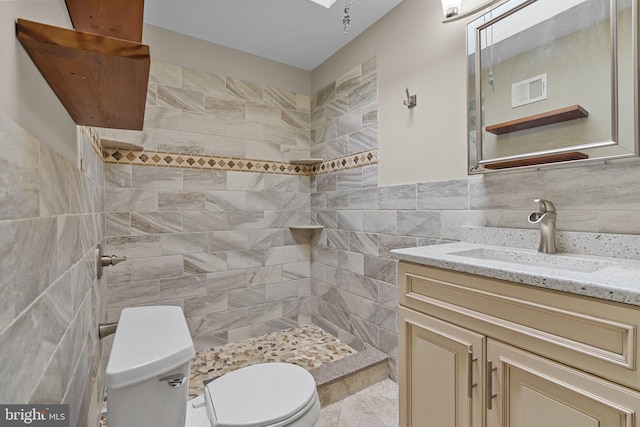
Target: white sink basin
557	261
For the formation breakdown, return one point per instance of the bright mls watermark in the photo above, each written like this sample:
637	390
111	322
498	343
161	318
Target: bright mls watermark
34	415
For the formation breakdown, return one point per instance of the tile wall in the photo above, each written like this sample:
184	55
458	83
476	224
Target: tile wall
50	299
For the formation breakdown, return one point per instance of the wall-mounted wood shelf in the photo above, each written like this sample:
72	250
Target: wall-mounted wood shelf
550	117
121	19
539	160
101	81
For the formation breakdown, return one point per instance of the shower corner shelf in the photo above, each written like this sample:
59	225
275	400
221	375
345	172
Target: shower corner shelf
550	117
306	227
309	161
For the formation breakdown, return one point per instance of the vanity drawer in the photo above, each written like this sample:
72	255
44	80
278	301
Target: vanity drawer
591	334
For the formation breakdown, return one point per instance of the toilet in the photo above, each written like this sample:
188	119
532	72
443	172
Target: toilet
148	381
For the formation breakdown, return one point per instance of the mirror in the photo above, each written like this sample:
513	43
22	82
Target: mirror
552	81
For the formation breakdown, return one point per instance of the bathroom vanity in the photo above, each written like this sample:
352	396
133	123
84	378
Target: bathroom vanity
493	336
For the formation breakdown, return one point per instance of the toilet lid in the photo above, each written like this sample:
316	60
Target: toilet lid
260	395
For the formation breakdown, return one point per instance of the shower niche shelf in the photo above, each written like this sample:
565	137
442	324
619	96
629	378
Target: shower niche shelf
306	162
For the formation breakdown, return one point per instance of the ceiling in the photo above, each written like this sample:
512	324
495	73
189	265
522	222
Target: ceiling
294	32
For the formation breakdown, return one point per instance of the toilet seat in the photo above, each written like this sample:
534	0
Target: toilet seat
268	394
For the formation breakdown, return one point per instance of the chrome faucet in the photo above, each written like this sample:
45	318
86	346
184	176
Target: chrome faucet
547	220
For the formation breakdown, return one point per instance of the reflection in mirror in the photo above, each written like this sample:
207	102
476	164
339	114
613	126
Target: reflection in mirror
556	80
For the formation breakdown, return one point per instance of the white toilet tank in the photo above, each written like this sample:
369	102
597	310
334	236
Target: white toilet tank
148	368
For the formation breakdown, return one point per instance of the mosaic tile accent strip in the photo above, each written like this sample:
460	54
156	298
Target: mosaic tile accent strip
307	346
191	161
92	135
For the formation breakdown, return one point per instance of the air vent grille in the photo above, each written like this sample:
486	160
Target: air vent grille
528	91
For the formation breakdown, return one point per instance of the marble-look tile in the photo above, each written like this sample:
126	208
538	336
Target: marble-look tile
246	297
201	263
34	240
364	139
506	191
326	132
349	123
227	280
245	90
370	176
228	240
178	98
388	294
202	81
204	123
367	310
134	246
296	119
220	108
380	222
369	69
325	95
181	200
246	259
338	199
156	117
53	182
204	221
183	287
381	269
349	80
338	239
216	322
70	247
164	73
280	98
127	294
363	95
245	181
363	198
204	180
350	220
443	195
263	200
296	270
158	178
364	243
246	220
370	114
348	179
225	200
419	223
267	238
348	261
8	231
357	284
117	176
337	108
337	147
205	304
397	197
265	275
184	243
154	222
157	267
296	201
264	312
303	103
174	141
263	150
125	200
262	113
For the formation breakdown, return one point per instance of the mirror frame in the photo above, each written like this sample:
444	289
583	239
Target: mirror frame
503	10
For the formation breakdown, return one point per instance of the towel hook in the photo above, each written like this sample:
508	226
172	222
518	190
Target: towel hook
411	101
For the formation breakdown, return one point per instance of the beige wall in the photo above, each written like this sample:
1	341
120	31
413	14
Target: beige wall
413	49
26	97
174	48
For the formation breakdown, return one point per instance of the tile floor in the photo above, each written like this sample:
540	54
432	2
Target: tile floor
375	406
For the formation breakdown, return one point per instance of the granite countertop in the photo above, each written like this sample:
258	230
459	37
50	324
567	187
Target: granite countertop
608	278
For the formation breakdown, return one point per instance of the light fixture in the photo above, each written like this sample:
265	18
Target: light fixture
451	8
455	10
325	3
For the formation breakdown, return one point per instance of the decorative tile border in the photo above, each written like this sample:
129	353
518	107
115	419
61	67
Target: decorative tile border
92	135
205	162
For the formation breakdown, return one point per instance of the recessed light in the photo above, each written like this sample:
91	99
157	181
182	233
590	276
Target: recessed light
325	3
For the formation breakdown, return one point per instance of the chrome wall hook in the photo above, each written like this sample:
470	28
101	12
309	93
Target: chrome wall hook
411	101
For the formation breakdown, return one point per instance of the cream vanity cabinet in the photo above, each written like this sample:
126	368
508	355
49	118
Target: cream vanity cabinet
476	351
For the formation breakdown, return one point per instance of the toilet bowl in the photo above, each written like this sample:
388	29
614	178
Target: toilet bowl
148	381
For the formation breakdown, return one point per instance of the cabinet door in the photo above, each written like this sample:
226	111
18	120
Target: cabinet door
440	372
524	390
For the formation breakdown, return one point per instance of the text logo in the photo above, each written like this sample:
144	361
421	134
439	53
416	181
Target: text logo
34	415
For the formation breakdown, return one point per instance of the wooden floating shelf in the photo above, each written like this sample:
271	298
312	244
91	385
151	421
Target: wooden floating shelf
121	19
539	160
310	161
550	117
101	81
